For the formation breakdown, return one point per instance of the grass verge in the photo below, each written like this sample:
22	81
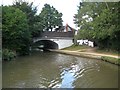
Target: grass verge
105	51
75	47
97	50
111	60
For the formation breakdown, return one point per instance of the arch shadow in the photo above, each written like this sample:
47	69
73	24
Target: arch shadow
45	44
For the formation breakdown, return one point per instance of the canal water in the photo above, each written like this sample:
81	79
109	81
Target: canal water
54	70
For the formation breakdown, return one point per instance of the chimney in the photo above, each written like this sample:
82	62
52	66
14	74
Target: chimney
66	27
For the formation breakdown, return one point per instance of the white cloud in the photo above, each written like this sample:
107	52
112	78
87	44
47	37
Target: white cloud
67	7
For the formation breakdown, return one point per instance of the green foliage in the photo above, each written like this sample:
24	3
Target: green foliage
8	54
30	12
98	21
15	32
20	24
50	17
76	47
111	60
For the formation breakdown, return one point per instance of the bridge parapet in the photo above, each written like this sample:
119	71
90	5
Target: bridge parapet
63	39
57	34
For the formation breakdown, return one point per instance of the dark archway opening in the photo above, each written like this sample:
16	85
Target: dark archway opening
45	45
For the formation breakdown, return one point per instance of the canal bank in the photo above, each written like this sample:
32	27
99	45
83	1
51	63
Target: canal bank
105	57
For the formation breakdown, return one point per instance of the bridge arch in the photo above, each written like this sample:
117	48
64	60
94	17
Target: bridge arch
45	44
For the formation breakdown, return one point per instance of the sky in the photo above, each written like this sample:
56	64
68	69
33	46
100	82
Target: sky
67	7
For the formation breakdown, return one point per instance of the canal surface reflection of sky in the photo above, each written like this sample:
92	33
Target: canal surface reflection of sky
54	70
68	76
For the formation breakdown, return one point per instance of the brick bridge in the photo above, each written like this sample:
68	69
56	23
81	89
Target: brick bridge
59	39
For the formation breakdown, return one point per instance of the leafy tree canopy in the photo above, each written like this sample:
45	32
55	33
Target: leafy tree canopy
30	12
50	17
15	32
98	21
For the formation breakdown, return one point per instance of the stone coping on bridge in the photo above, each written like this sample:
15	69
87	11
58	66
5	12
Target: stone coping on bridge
52	38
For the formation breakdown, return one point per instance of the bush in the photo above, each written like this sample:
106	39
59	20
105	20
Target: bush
8	54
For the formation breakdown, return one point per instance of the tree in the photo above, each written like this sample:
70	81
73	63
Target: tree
50	17
103	26
15	32
30	12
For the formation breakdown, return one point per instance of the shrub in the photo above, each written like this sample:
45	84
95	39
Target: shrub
8	54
